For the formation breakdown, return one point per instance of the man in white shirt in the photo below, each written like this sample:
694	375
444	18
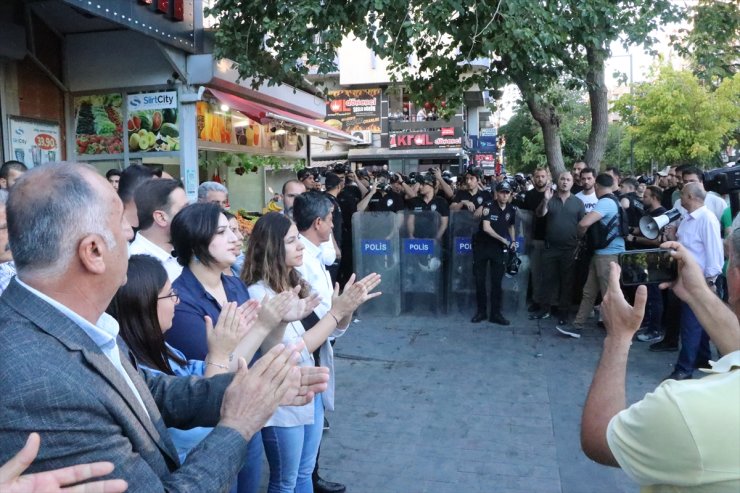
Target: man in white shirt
312	213
587	195
712	201
157	203
699	232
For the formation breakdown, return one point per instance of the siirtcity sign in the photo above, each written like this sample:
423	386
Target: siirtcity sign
152	101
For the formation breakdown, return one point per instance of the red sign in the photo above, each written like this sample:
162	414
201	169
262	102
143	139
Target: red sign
45	142
430	138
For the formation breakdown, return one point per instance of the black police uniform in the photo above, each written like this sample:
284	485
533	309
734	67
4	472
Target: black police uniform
423	226
337	231
479	199
488	250
390	202
348	199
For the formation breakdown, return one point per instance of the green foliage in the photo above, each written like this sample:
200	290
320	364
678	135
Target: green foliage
675	119
249	161
713	42
431	46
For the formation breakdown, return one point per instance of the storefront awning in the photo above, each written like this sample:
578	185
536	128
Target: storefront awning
381	153
262	113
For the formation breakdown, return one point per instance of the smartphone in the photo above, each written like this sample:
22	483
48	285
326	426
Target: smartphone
650	266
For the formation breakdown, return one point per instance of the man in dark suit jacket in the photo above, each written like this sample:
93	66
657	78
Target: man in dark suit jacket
65	374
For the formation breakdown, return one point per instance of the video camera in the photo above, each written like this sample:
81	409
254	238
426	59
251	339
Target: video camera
722	180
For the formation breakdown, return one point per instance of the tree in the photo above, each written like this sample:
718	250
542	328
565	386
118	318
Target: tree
674	119
713	42
525	148
535	45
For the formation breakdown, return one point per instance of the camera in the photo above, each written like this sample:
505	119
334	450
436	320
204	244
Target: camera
647	180
722	180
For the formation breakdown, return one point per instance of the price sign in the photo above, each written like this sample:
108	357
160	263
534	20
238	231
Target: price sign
34	142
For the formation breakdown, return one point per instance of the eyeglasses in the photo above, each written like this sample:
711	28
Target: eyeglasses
173	294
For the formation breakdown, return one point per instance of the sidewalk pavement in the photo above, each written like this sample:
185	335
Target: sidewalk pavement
441	405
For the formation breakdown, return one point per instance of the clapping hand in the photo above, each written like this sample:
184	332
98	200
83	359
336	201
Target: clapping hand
354	294
12	479
302	307
275	309
233	324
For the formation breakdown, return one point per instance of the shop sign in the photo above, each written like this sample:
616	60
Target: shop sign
98	124
487	140
34	142
152	122
484	159
169	21
444	137
354	110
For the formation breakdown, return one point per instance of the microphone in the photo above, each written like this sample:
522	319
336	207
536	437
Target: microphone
650	226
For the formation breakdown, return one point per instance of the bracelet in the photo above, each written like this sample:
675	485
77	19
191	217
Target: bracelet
223	367
334	317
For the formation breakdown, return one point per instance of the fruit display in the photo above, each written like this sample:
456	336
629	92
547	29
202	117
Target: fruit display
153	130
98	124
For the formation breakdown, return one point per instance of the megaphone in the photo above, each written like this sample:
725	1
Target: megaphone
650	226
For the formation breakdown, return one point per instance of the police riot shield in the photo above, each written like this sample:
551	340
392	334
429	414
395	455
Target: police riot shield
460	280
421	262
514	286
375	244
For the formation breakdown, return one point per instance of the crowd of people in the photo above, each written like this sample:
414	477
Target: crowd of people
138	331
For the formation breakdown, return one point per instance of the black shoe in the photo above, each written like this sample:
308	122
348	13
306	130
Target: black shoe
534	307
678	375
702	363
663	347
478	317
499	319
540	315
323	486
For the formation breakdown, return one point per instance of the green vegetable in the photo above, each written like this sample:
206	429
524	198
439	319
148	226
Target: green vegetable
169	115
146	120
169	130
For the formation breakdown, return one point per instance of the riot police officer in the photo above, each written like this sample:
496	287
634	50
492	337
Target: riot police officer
491	248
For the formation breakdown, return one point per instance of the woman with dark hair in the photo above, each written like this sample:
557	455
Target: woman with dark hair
144	308
204	245
293	434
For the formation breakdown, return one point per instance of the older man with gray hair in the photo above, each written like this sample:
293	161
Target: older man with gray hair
214	192
699	232
65	373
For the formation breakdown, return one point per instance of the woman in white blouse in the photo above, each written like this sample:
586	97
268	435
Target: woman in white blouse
293	434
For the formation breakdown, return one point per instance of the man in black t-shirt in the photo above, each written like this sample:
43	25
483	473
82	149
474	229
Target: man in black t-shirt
532	200
422	227
491	246
334	185
474	197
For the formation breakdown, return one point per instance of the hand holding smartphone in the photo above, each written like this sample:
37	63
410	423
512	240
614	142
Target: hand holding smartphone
651	266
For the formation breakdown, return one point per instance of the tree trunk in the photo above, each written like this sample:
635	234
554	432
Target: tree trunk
546	115
597	96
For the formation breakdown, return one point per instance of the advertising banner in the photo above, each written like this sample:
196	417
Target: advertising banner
354	110
152	122
487	140
34	142
98	124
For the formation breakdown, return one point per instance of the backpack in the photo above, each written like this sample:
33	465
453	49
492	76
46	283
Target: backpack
599	235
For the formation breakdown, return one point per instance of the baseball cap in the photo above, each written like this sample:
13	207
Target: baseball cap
503	186
664	171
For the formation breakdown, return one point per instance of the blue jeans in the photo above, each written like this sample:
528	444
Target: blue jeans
654	309
694	341
250	475
291	453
